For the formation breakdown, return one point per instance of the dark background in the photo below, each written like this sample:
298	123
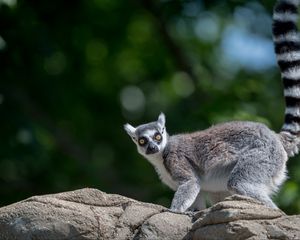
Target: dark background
73	72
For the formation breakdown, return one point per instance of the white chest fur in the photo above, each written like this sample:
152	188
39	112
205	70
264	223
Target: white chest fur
157	161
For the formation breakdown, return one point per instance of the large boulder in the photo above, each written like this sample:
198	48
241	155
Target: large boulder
89	214
92	214
239	217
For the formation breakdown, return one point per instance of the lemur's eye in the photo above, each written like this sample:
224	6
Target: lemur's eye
142	141
157	137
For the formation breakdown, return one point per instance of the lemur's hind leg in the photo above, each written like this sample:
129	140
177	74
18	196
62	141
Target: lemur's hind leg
252	190
253	175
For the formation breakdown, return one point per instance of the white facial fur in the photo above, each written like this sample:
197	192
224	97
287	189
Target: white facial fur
161	121
131	131
149	134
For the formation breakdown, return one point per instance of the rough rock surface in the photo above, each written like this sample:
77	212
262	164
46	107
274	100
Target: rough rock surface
92	214
89	214
239	217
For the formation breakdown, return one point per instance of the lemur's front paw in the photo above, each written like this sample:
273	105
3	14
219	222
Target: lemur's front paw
188	213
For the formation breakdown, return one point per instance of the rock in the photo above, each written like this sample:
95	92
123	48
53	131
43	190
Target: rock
239	217
89	214
165	226
92	214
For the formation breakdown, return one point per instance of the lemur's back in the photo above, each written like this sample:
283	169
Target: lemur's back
225	143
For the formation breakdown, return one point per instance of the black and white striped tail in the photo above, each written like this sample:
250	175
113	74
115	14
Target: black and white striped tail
287	47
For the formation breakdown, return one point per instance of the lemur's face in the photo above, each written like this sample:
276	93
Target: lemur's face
150	138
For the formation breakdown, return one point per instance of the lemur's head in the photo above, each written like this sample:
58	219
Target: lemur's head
150	138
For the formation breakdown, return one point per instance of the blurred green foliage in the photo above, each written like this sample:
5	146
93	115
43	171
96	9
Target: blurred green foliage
72	73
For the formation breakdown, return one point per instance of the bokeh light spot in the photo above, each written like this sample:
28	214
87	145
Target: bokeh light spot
55	64
207	27
182	84
10	3
24	136
132	99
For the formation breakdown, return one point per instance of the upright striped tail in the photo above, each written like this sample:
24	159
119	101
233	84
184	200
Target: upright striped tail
287	48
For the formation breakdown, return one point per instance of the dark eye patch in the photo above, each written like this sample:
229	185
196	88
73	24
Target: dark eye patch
157	137
142	141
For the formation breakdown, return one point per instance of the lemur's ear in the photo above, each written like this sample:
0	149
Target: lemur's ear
130	130
161	120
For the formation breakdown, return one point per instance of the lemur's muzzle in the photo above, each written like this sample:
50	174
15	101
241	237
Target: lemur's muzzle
152	148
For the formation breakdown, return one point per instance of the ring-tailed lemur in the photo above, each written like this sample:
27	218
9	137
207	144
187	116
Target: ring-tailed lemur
244	158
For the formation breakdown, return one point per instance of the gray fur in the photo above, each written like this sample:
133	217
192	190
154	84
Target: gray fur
244	158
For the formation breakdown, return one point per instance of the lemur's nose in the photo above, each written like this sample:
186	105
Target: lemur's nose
152	148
